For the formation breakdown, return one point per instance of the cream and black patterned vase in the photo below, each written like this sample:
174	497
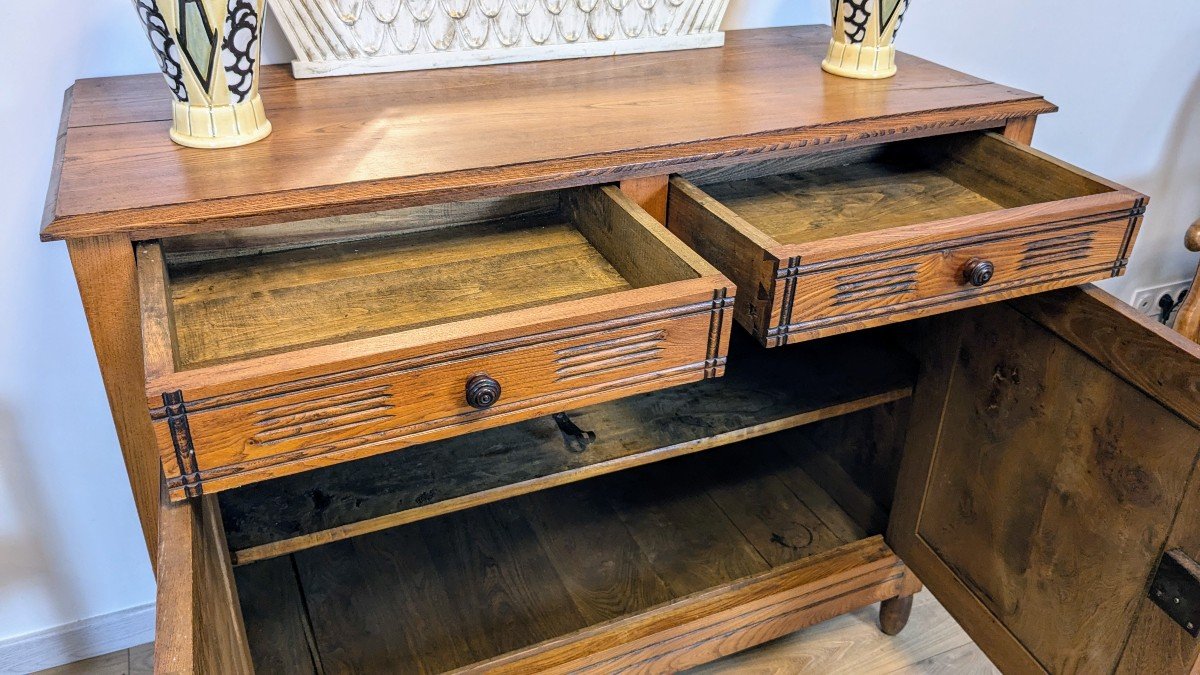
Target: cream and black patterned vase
863	35
209	52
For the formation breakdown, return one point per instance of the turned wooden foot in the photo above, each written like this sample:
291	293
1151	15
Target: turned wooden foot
894	613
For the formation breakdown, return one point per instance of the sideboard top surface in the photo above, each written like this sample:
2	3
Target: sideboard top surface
362	143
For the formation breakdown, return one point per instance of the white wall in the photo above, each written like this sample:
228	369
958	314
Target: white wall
1128	81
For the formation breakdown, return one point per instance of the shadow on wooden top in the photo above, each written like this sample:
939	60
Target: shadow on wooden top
357	144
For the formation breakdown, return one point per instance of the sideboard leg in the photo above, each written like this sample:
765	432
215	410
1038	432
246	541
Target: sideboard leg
107	276
894	613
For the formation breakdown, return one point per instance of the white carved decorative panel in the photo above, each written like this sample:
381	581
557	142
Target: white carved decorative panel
342	37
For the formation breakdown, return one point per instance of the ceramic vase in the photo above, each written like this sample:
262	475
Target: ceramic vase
864	32
209	53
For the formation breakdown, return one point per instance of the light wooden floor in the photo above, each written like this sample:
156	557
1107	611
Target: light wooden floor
931	644
134	661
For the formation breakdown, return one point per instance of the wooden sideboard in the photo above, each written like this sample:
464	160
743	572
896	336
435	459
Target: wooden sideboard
627	364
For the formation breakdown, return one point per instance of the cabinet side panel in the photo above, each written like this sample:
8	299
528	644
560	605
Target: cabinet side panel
107	276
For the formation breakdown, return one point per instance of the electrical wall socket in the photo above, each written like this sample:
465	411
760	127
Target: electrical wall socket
1146	299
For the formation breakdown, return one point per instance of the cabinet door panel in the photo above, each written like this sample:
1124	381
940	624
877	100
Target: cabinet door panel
1053	442
198	626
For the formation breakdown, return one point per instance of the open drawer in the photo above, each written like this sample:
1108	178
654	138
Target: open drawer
838	241
263	362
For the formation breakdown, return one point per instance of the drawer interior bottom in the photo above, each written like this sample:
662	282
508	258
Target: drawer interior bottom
895	185
246	306
807	206
664	545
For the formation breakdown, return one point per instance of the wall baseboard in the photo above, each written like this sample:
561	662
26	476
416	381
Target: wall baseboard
78	640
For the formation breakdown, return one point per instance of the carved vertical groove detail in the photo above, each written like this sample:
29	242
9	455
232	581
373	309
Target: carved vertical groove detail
713	361
789	297
181	441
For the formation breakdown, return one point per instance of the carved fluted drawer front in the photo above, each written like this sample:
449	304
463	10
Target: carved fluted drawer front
827	243
376	332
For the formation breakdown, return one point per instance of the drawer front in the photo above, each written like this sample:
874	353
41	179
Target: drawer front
831	242
223	441
840	295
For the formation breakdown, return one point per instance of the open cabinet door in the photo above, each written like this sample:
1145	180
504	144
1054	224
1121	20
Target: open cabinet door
1050	465
198	623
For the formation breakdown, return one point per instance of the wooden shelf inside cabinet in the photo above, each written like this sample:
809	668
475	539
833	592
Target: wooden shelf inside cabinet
271	351
835	242
659	568
834	378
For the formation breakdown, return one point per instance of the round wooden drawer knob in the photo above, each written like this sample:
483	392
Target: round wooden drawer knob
978	272
482	392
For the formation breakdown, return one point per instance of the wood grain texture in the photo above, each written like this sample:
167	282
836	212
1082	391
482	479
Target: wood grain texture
852	644
106	273
868	446
1191	238
364	143
1145	353
857	456
650	193
284	361
763	507
1157	644
894	614
797	208
865	238
537	206
1058	471
731	244
596	576
721	621
689	542
602	568
355	498
1020	129
368	412
159	339
638	245
199	627
934	646
279	634
1010	173
1187	322
243	307
964	660
868	290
